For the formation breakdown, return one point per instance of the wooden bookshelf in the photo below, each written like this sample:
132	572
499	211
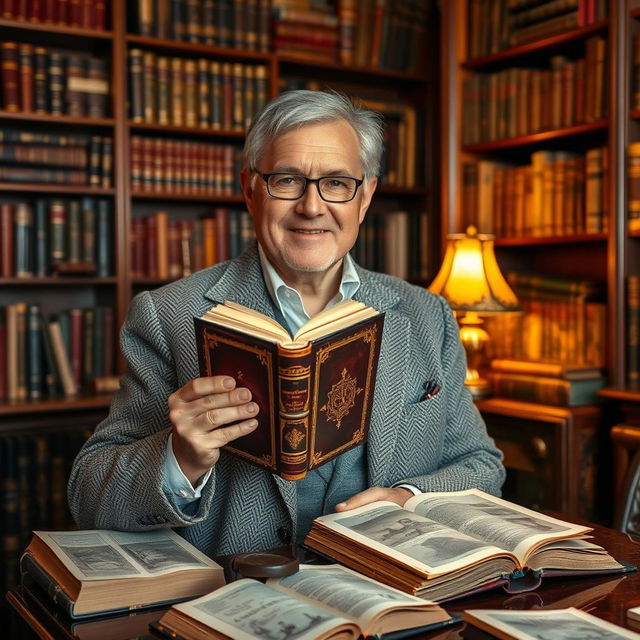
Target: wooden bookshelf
536	139
590	256
128	202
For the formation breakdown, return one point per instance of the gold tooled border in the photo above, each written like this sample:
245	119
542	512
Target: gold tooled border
369	335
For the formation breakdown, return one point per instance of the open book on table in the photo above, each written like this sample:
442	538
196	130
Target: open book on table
317	602
445	545
314	390
98	571
554	624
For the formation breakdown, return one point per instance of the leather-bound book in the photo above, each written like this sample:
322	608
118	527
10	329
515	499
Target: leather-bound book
314	390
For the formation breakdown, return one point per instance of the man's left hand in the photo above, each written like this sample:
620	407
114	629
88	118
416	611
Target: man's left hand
373	494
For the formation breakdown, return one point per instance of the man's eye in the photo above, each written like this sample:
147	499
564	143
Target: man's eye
286	181
336	183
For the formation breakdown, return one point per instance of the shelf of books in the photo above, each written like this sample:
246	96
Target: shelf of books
532	152
121	128
530	149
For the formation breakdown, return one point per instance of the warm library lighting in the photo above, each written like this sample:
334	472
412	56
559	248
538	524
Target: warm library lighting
471	281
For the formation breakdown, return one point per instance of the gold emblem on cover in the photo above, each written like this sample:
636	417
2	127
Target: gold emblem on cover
341	398
294	438
240	375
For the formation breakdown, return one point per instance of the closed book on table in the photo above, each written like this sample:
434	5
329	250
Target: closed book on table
314	391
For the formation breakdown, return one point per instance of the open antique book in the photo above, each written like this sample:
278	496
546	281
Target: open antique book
98	571
445	545
535	624
317	602
314	390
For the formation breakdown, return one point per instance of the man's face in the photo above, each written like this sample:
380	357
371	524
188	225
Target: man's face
308	235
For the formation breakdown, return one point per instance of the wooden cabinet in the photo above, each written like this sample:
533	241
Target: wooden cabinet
553	455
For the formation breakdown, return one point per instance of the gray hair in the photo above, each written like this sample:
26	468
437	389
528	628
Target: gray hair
294	109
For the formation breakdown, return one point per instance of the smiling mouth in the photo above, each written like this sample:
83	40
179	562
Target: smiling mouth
309	231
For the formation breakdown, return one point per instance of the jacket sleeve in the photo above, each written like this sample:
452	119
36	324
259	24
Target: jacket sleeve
468	457
117	478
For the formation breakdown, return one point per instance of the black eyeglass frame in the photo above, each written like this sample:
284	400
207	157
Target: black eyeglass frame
266	176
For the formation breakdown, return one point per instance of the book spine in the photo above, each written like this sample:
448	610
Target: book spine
9	75
29	567
35	373
293	401
6	240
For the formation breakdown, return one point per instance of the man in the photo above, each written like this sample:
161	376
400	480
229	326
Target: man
310	166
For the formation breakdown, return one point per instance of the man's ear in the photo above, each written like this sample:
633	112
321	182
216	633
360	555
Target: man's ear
246	183
369	188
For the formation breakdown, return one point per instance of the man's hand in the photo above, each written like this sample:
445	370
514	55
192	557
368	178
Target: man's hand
398	495
199	412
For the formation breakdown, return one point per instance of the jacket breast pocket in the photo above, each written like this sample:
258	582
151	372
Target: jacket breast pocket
426	416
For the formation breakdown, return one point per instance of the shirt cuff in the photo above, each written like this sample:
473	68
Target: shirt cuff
409	487
176	483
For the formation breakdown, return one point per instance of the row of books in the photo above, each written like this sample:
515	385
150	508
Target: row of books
559	193
555	383
167	249
367	33
34	468
396	243
521	101
563	321
160	165
40	80
495	25
364	33
56	237
383	34
75	159
633	185
194	93
61	354
84	14
241	24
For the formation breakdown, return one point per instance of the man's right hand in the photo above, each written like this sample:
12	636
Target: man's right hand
199	413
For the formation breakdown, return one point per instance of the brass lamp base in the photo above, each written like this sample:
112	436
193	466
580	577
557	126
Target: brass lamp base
474	339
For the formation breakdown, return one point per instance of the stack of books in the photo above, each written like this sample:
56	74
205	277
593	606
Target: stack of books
559	384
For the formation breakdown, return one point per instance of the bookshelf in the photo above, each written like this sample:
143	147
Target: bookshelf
131	201
593	246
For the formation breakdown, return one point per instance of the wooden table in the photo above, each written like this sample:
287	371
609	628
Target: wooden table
607	597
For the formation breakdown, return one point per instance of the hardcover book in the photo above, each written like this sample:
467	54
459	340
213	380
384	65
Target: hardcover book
315	603
445	545
531	625
93	572
314	390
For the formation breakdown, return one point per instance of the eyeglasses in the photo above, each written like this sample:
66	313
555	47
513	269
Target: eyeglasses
291	186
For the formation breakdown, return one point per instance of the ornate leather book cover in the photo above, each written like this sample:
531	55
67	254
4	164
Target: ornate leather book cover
315	400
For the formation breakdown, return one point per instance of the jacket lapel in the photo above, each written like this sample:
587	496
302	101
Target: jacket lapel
391	377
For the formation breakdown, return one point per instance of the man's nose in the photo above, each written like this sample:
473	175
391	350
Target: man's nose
311	204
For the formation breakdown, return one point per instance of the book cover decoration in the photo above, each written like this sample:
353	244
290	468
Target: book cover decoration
314	391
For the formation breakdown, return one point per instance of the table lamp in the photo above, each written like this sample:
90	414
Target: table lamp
471	282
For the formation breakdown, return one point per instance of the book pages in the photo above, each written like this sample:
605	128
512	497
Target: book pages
99	554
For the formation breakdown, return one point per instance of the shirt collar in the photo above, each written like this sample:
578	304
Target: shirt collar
288	299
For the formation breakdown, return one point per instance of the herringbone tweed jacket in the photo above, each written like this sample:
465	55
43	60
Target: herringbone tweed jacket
438	444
